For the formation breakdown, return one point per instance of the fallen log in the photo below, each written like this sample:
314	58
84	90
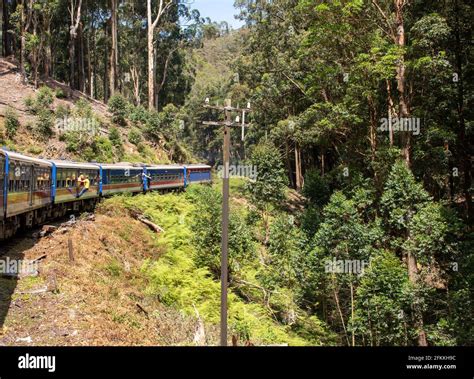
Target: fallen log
152	226
140	217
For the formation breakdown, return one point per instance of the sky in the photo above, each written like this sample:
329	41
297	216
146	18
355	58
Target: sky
217	10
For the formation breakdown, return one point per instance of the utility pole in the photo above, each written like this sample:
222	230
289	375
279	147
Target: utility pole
228	124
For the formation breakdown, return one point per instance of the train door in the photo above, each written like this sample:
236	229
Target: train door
32	189
2	185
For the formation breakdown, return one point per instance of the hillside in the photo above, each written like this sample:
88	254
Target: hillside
66	103
126	285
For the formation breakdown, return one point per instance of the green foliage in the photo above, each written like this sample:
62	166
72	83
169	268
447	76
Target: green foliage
383	305
208	232
285	253
315	188
177	280
116	141
60	94
82	109
138	114
11	122
118	107
62	111
135	136
41	102
45	123
402	197
44	98
269	187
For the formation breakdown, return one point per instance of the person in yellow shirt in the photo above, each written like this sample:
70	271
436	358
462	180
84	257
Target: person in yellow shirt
84	183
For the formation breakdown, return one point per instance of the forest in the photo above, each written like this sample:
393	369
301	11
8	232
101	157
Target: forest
357	229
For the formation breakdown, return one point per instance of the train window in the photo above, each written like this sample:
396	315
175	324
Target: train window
19	177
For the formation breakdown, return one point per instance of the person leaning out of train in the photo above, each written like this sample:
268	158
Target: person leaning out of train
84	184
145	178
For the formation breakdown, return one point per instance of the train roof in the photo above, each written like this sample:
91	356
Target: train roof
164	167
24	158
79	165
197	166
120	166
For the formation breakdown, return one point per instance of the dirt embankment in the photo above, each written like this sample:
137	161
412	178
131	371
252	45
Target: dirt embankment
96	296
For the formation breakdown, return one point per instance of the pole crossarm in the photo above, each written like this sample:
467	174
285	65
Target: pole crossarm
224	123
224	108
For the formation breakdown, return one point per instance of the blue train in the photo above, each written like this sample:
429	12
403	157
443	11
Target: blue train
35	190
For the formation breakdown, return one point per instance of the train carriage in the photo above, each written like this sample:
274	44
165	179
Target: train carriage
197	173
66	186
3	186
165	177
28	184
119	178
26	191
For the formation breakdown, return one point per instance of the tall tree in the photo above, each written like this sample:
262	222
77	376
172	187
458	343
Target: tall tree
163	7
75	8
114	47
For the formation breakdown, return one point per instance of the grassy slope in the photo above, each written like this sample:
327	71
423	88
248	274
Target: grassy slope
178	282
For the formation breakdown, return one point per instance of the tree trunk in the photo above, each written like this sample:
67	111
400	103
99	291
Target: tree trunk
6	44
136	84
288	163
82	72
299	176
113	50
462	141
418	316
75	20
151	24
391	111
106	66
23	43
151	70
403	108
48	54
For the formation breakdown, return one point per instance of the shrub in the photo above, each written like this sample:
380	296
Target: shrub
116	140
43	101
30	104
104	149
44	98
11	122
118	107
316	188
82	109
135	137
138	114
60	94
72	140
114	137
35	150
45	122
62	111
